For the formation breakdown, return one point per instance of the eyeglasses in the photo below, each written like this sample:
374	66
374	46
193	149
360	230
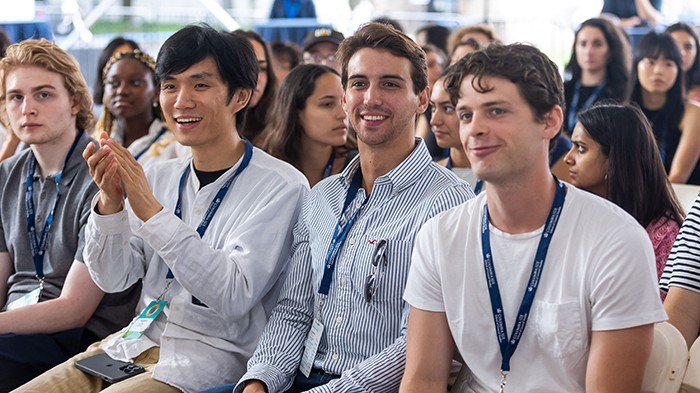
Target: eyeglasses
379	261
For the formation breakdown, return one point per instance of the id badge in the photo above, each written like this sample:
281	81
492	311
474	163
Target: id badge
311	347
28	298
144	320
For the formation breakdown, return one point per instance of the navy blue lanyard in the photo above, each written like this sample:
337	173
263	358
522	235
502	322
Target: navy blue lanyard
216	202
479	183
142	152
340	233
508	346
573	110
329	165
38	246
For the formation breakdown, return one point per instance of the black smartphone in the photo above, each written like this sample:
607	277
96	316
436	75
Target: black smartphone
109	369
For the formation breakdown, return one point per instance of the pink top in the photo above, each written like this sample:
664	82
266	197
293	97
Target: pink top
662	233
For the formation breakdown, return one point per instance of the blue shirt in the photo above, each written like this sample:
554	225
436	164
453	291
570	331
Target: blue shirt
365	342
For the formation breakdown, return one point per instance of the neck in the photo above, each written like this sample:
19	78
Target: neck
51	156
592	78
653	101
313	160
521	206
222	154
135	127
378	160
459	158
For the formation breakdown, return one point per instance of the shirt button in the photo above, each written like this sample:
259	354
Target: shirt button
343	281
358	204
395	194
335	356
43	194
352	241
339	320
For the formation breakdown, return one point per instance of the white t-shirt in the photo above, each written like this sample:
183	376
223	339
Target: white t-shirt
599	274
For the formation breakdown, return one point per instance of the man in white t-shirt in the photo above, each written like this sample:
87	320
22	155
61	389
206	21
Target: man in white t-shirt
576	272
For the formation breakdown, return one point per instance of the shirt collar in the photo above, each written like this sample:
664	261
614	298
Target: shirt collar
402	176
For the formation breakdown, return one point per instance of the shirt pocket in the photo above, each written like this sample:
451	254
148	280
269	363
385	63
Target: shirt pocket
559	328
390	280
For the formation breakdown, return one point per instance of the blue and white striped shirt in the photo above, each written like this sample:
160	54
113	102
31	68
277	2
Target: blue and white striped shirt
365	342
683	266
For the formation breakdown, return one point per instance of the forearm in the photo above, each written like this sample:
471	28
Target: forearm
647	11
111	253
47	317
379	373
683	309
234	277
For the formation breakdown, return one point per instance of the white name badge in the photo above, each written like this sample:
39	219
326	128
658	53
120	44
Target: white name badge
311	347
144	320
28	298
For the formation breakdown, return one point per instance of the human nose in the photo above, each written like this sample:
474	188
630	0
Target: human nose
569	157
340	113
183	99
28	106
373	96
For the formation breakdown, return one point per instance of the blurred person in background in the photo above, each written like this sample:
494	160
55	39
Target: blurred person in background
264	93
688	44
657	88
598	68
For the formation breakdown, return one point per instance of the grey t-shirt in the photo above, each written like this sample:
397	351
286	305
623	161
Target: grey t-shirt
66	240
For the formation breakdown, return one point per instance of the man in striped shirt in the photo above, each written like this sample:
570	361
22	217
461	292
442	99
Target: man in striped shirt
339	323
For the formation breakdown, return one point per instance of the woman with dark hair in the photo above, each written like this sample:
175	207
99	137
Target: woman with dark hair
614	156
264	93
688	44
132	114
306	127
657	87
598	68
117	45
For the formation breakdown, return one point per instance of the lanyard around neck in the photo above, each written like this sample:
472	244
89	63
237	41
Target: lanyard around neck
574	110
509	345
218	198
38	246
341	232
329	165
154	140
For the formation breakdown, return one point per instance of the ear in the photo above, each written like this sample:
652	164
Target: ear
552	122
240	99
423	100
75	105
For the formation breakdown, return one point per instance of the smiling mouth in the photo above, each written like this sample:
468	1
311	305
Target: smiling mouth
373	117
187	120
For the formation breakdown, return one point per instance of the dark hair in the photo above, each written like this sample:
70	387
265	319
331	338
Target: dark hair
232	53
286	51
652	46
618	64
692	76
4	42
636	178
535	75
98	88
428	48
255	120
383	37
282	135
436	35
385	20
